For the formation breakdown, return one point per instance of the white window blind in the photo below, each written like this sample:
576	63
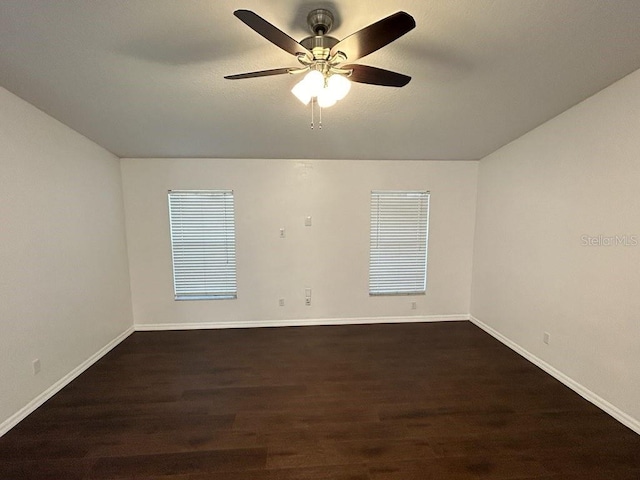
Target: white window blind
203	244
398	242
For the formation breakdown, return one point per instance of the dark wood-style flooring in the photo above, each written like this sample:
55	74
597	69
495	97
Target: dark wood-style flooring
367	402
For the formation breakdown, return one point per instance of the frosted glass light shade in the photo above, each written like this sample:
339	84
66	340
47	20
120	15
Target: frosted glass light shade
326	98
339	86
301	92
314	80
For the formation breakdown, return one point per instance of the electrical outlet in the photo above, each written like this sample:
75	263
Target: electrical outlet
307	296
281	302
546	337
282	233
36	366
414	305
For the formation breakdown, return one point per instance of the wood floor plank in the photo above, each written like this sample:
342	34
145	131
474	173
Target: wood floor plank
167	465
361	402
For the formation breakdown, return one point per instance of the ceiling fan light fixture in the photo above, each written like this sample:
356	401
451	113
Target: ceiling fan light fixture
326	91
310	86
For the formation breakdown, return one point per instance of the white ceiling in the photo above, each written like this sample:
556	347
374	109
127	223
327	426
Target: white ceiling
144	78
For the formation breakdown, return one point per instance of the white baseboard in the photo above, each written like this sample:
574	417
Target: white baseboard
615	412
21	414
299	322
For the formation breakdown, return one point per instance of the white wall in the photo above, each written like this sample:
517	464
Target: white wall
577	175
331	256
64	287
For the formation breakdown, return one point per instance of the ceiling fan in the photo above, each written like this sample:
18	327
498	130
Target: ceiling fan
327	60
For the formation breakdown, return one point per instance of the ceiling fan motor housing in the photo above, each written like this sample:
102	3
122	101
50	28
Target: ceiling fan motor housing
320	45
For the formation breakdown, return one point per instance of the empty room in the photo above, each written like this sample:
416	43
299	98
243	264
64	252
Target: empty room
334	240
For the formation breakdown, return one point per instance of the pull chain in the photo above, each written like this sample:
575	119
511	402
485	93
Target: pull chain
313	115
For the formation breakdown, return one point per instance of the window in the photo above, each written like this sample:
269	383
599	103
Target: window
398	242
203	244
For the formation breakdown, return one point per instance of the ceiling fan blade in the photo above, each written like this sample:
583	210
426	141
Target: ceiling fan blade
261	73
271	33
376	76
375	36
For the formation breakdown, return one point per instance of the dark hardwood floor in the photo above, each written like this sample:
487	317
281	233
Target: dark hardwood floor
368	402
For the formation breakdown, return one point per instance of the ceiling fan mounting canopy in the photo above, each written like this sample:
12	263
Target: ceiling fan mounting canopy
320	21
